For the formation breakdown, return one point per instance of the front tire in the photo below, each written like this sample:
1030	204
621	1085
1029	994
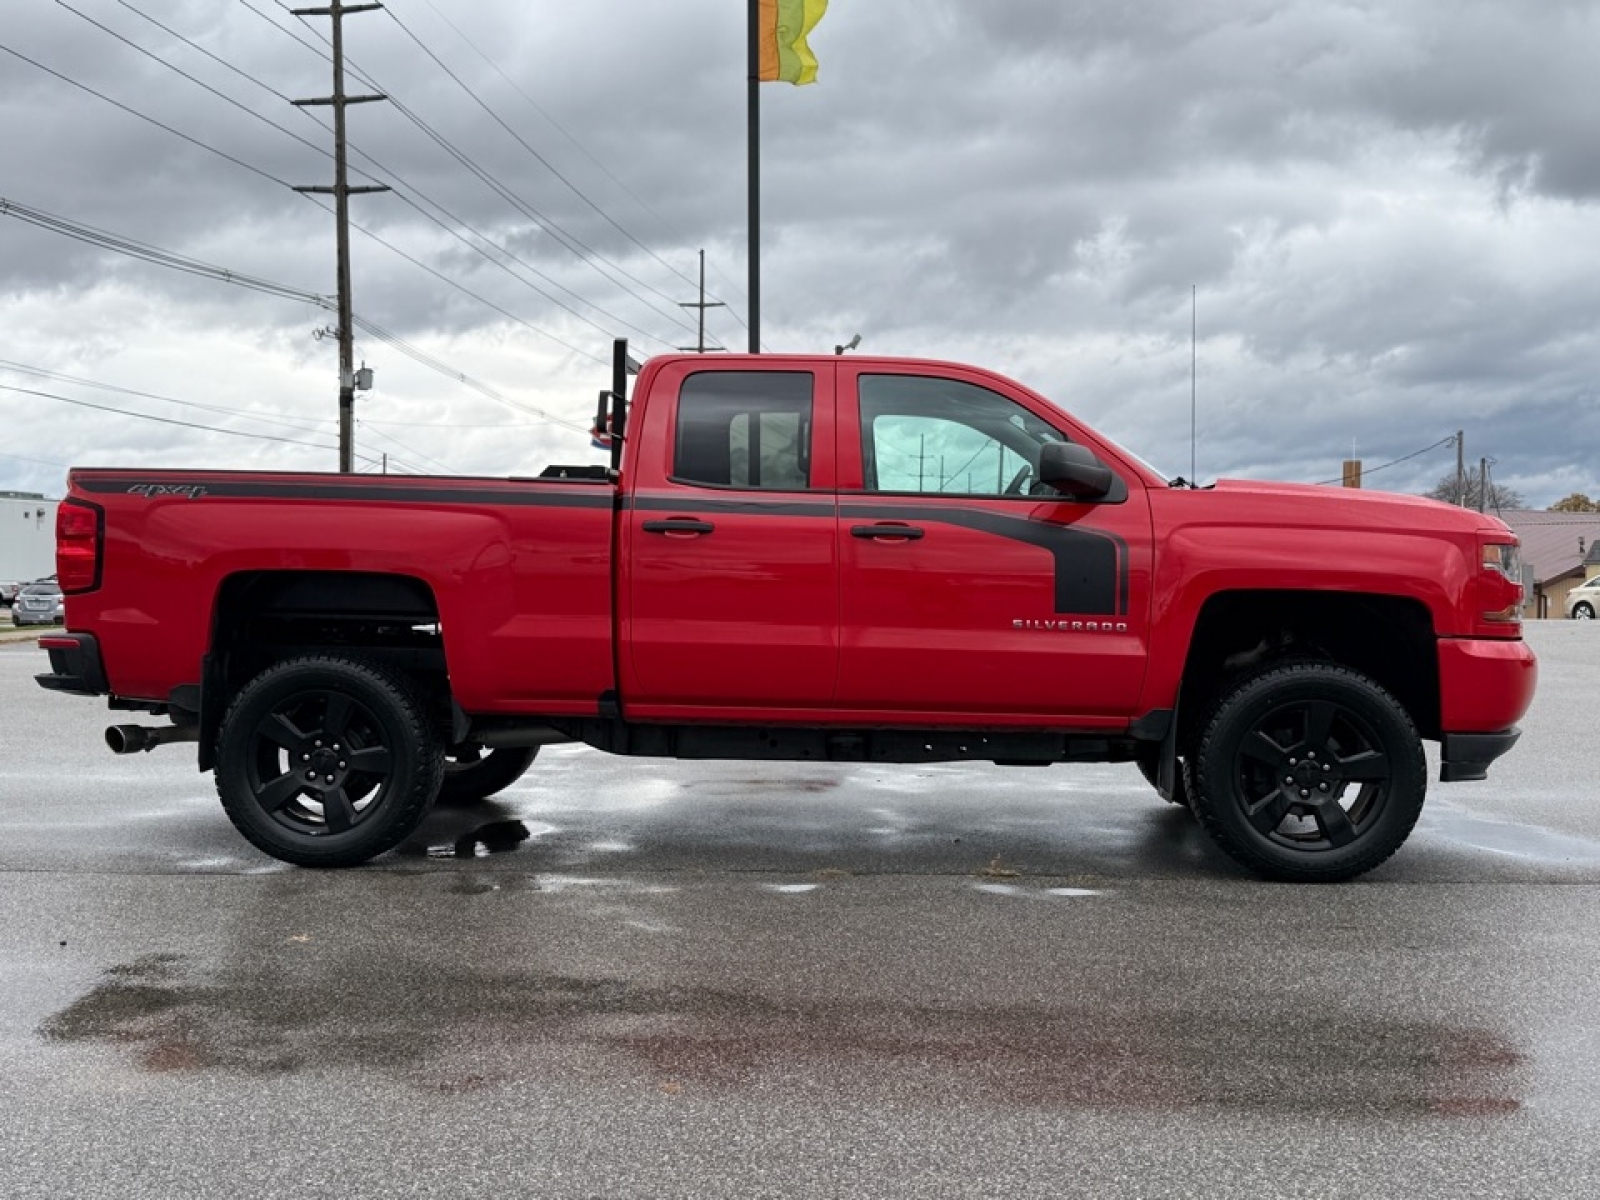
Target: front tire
1308	772
326	762
1582	612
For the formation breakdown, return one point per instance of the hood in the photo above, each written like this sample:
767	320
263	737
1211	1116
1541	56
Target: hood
1321	505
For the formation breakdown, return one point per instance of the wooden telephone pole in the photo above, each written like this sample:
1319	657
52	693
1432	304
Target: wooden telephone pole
341	192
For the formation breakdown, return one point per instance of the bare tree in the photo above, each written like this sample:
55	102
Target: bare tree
1464	491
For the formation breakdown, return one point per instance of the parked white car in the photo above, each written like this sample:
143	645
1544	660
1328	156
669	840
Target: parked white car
1583	601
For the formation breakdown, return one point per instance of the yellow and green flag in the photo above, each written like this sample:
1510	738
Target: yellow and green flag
781	30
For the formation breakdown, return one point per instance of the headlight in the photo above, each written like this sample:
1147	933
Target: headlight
1500	585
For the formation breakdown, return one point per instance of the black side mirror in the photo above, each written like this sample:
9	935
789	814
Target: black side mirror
1073	470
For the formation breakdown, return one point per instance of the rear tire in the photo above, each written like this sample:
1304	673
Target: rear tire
471	776
326	762
1308	772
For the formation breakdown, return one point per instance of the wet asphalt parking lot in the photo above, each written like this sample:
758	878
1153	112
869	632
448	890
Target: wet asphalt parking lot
751	980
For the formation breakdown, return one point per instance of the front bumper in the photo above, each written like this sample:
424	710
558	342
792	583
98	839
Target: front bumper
1485	684
75	665
1466	756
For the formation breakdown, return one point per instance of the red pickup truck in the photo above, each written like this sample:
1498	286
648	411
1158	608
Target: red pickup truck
802	558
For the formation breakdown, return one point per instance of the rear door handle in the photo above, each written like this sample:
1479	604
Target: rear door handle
887	531
679	525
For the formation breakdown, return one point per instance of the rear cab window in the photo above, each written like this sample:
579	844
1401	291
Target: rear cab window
745	430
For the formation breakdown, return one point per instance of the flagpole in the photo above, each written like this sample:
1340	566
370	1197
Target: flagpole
753	168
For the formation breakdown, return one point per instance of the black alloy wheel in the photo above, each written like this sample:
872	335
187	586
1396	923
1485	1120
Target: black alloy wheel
327	762
1308	772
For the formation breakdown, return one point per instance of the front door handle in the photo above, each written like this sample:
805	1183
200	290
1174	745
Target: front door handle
679	525
887	531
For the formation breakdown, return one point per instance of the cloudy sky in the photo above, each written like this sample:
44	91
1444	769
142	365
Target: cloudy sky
1379	215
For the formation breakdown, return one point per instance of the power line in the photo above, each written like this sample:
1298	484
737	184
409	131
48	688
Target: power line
500	189
559	128
447	424
577	191
166	258
221	62
302	426
568	241
193	141
44	462
466	291
408	449
223	96
323	301
120	244
565	240
123	412
1444	441
328	154
420	356
584	150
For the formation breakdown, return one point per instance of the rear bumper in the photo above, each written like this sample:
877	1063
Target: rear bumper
75	665
1466	756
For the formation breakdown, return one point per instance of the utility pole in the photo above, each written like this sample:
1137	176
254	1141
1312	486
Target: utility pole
341	192
1483	483
1461	469
702	305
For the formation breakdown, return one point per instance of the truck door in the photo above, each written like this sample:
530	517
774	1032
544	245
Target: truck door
732	585
969	592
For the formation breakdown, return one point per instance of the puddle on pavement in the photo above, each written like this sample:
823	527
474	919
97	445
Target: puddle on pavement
173	1015
1531	843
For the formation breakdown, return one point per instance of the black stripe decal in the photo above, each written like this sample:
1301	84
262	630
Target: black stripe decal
546	494
1091	565
751	507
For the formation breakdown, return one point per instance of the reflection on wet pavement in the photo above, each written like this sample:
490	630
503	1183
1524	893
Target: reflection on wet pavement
497	837
466	1032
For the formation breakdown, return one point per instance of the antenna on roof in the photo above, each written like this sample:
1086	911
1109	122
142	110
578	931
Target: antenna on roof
1194	362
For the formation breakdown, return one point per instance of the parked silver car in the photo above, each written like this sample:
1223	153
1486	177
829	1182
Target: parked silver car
39	603
1583	601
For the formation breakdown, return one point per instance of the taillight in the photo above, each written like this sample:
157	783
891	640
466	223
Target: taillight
78	546
1500	588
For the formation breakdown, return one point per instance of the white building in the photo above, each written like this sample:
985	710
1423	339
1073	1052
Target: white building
27	536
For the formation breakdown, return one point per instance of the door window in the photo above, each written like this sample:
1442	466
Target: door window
744	429
921	434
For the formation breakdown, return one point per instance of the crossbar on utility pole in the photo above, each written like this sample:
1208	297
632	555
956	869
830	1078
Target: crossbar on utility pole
341	191
700	343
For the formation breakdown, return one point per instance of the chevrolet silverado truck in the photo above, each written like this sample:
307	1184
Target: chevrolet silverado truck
801	558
